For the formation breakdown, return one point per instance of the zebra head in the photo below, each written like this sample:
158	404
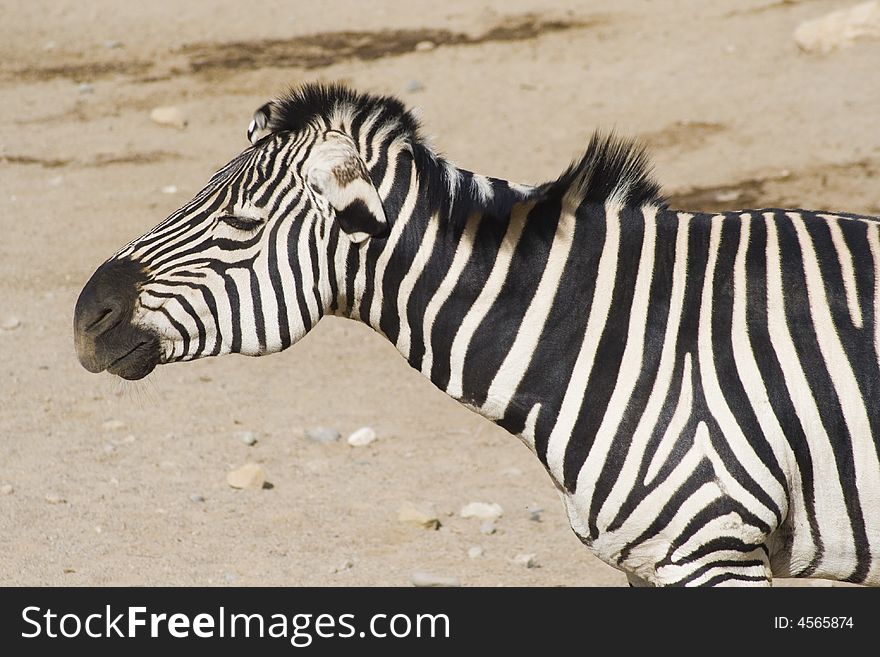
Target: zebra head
243	266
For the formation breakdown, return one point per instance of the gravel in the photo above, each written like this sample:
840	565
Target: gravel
418	516
248	476
482	511
420	579
170	116
323	435
247	437
526	560
362	437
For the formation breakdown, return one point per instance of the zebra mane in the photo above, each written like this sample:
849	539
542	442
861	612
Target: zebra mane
309	102
612	169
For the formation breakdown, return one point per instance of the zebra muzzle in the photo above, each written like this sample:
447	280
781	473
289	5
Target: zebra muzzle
104	336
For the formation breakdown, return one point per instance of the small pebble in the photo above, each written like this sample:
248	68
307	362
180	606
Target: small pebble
413	515
323	435
195	497
421	578
247	437
113	44
475	552
169	189
414	85
169	116
250	476
527	560
535	512
482	510
362	437
85	88
55	498
10	323
113	425
425	46
6	489
488	528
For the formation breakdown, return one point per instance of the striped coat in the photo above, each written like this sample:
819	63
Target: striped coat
701	388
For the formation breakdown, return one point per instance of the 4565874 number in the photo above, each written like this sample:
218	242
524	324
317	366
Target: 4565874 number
813	622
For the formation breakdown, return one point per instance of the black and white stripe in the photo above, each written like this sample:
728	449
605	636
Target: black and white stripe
703	389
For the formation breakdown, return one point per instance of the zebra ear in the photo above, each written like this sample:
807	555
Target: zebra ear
259	125
336	171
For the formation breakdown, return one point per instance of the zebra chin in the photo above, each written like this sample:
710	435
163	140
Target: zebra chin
131	355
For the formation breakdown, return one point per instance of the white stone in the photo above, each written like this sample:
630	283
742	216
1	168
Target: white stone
488	528
527	560
362	437
113	425
425	46
418	516
169	189
55	498
10	323
482	510
169	116
6	489
421	578
323	435
247	437
840	28
250	476
475	552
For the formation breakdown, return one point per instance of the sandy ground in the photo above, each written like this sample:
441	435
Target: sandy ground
735	116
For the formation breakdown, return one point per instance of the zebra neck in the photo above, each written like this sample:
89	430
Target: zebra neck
446	263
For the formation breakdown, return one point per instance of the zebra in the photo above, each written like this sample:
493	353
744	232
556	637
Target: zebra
702	388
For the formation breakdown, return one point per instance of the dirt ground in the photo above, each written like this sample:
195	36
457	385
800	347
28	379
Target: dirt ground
116	484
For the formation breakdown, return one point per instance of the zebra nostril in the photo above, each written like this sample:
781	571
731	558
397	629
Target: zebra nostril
102	318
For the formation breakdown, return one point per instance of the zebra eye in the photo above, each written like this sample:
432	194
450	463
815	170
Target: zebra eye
245	224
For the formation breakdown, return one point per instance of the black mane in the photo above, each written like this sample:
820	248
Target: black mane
302	105
611	168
